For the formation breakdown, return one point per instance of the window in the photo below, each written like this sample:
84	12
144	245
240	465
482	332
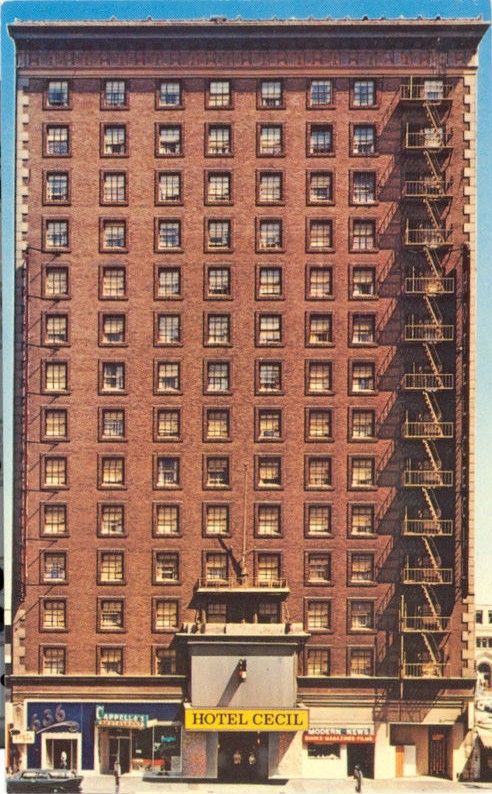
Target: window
270	141
114	235
165	661
217	376
319	329
57	94
110	661
318	616
168	330
112	472
168	282
218	283
55	377
56	282
111	520
318	520
269	377
55	423
113	283
216	567
433	90
317	661
363	377
361	520
320	283
364	139
363	424
362	473
169	235
219	139
114	140
54	614
56	234
270	188
363	329
53	661
320	187
167	474
54	519
320	93
169	188
479	616
363	282
270	235
318	473
216	519
166	520
320	139
114	93
360	661
56	329
360	615
268	569
170	140
216	472
166	566
364	93
216	612
54	567
114	189
110	614
57	140
55	473
269	424
218	329
270	94
219	94
168	424
165	615
218	188
361	568
56	188
218	234
269	474
269	282
268	520
319	424
113	329
363	187
363	235
111	566
269	329
320	235
319	379
168	377
318	568
112	424
268	612
170	94
113	377
216	424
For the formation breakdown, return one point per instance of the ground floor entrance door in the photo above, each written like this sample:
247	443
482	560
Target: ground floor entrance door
363	755
119	748
438	760
242	757
54	750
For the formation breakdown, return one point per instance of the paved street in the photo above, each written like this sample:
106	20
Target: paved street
104	784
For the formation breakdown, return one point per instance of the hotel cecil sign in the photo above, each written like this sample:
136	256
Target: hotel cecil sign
246	719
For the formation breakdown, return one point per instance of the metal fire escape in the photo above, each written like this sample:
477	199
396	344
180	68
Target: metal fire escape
427	574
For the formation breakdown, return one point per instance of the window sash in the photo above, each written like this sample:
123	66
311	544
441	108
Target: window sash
217	424
319	568
170	94
362	520
321	92
362	472
363	424
167	520
268	568
219	140
321	187
318	662
167	471
113	282
319	377
270	234
113	377
112	521
219	187
112	472
219	234
57	234
169	329
362	568
54	520
217	519
268	520
361	661
54	567
166	566
166	615
319	520
54	615
168	377
320	329
362	377
321	140
115	93
270	329
364	141
219	281
320	234
219	93
218	329
271	140
217	377
170	140
320	283
271	93
318	615
55	425
217	471
57	187
269	472
53	661
319	424
364	188
111	614
270	377
269	424
114	235
111	566
363	282
270	187
55	471
169	187
364	93
169	282
57	94
319	472
111	661
56	282
169	234
216	568
114	140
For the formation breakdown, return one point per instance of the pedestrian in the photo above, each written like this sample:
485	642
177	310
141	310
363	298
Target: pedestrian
237	758
117	775
63	761
358	777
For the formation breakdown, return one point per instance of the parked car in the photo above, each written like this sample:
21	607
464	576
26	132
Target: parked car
49	780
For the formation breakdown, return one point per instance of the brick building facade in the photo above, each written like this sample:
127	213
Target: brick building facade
245	349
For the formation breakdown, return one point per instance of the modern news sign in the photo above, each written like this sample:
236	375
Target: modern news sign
359	735
246	719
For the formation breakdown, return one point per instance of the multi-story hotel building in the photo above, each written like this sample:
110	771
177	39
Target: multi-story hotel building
245	257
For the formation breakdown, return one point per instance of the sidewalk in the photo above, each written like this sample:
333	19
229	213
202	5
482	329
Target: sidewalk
104	784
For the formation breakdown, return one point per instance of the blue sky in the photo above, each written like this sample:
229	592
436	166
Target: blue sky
250	9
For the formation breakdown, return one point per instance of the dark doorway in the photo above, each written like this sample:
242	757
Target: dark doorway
438	757
119	748
362	754
55	748
243	757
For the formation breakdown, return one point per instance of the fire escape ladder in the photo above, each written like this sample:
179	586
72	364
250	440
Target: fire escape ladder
433	166
430	112
433	358
431	211
433	261
432	503
433	310
432	454
433	407
431	599
433	552
431	647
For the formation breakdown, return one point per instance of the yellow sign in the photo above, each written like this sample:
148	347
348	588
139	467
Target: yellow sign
246	719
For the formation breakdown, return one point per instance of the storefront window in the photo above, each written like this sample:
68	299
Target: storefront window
323	750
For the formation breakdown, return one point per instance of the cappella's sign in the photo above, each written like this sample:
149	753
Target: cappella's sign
108	720
246	719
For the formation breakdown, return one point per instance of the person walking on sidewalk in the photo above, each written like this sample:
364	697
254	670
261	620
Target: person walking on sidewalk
117	776
358	777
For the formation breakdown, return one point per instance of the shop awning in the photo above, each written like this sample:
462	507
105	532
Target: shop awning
486	738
